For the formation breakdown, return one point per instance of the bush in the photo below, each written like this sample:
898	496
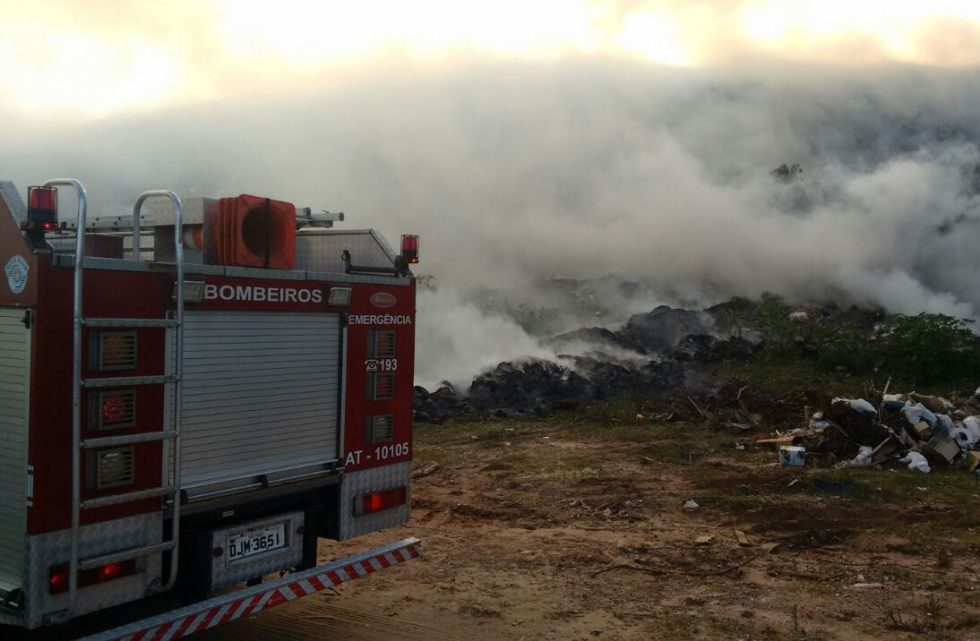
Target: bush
922	350
930	348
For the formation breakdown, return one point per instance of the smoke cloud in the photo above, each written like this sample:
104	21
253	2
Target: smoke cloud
515	174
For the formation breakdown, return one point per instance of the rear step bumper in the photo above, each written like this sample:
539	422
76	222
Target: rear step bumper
184	622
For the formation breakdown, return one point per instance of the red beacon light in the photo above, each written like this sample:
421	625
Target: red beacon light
410	248
42	209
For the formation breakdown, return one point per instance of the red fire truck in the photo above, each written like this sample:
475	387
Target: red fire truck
191	397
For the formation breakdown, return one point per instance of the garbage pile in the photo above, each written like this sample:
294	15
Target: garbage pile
664	332
536	387
669	357
736	405
913	430
652	353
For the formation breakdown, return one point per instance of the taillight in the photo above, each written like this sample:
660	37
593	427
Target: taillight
410	248
110	571
42	209
58	580
113	351
113	408
378	501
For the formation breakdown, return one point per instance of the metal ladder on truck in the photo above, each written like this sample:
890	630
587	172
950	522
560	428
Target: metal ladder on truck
170	481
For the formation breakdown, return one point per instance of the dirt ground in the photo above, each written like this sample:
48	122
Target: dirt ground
572	527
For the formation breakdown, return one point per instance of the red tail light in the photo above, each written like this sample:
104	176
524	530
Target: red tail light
410	248
377	501
114	408
42	208
110	571
58	580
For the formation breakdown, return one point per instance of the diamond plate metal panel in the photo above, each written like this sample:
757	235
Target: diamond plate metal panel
53	548
225	572
373	479
320	250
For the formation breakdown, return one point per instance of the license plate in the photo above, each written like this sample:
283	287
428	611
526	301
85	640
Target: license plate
246	544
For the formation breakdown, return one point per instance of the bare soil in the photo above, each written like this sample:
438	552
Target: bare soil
572	528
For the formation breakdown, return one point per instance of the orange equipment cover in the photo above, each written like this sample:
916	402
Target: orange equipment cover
256	232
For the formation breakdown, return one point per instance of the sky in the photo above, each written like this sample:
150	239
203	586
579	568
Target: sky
66	59
528	141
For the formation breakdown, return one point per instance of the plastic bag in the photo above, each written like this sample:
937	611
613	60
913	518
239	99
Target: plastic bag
916	461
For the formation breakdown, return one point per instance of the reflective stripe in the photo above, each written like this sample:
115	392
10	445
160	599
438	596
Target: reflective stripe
217	617
241	609
148	634
192	628
307	587
316	584
222	609
261	604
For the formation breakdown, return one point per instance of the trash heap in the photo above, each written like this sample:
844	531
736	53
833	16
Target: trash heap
917	431
535	387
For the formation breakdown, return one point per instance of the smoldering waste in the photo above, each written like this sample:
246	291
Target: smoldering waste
667	353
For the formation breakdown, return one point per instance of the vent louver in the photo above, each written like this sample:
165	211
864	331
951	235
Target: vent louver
381	386
113	351
110	468
380	428
381	344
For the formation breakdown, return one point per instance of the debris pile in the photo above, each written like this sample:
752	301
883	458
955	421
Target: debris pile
440	405
666	332
652	353
912	430
536	387
670	356
738	406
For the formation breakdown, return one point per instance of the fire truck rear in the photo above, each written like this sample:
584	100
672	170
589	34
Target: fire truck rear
190	397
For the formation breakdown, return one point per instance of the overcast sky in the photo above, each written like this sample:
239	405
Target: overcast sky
71	59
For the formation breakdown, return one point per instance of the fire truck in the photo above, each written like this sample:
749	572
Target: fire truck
191	397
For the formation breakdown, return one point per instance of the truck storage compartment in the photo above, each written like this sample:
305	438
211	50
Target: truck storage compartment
14	368
260	394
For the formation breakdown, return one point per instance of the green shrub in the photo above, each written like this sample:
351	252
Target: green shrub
925	349
930	348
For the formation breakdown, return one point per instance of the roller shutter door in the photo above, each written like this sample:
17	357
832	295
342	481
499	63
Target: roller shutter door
260	393
14	373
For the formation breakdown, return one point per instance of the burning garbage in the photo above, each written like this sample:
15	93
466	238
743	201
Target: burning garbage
668	360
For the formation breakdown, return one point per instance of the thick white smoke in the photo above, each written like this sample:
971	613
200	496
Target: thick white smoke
516	174
456	339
